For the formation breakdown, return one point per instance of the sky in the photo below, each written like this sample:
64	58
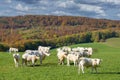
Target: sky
105	9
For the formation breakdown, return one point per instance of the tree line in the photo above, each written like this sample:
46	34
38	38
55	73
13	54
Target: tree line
85	37
29	21
30	31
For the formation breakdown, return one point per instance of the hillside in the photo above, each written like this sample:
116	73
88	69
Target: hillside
113	42
29	21
50	70
54	31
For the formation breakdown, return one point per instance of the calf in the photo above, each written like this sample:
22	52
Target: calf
88	62
32	58
29	58
72	57
16	57
61	56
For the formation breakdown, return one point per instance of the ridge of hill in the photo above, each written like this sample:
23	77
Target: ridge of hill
29	31
29	21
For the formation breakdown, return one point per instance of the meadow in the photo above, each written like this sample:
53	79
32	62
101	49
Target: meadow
50	70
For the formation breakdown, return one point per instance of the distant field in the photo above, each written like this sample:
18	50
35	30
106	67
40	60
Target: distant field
50	70
113	42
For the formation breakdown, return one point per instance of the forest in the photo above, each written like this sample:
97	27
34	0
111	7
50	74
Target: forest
30	31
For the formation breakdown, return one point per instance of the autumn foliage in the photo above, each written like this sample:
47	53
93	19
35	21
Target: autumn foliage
30	31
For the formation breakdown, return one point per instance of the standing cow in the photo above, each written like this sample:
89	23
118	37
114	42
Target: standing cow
16	57
13	50
42	52
88	62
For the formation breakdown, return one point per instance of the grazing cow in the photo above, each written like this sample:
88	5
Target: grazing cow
16	57
66	49
88	62
41	54
84	52
61	56
24	58
13	50
32	52
32	58
74	56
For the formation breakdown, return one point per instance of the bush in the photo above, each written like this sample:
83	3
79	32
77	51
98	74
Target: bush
3	47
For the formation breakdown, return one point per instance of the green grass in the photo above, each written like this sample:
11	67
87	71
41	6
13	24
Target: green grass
113	42
50	70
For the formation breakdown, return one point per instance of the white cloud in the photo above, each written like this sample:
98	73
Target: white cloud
38	8
118	15
111	1
82	7
62	5
21	13
6	12
43	2
21	8
61	13
92	8
8	1
68	3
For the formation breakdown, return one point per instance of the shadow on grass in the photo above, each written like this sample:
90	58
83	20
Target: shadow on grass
107	73
43	65
49	64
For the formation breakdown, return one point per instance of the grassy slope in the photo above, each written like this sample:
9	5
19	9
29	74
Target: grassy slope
49	70
113	42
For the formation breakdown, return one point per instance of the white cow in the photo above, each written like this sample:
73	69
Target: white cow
13	50
16	57
88	62
41	54
29	58
32	52
42	48
74	56
66	49
84	52
61	56
90	51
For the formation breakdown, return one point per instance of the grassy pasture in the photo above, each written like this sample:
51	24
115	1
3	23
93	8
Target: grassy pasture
113	42
50	70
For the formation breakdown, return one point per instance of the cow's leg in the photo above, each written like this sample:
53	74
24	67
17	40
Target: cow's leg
22	62
68	62
92	69
96	69
25	62
17	64
75	64
59	61
33	62
41	59
63	61
82	68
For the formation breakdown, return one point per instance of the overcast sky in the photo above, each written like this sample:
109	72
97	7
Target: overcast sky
107	9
